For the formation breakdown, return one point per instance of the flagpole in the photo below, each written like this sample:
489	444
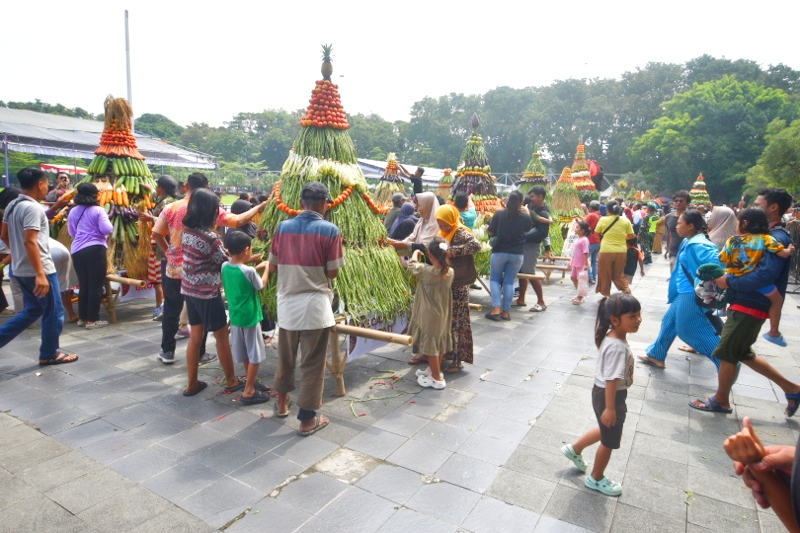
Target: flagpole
128	64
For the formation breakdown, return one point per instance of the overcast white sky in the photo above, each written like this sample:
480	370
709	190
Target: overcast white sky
207	61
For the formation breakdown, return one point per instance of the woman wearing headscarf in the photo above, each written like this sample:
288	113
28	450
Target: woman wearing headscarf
426	228
405	222
722	225
461	243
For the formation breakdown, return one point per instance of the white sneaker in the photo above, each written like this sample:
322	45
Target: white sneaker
426	372
428	381
97	325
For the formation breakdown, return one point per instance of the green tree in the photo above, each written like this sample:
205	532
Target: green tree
779	164
717	128
159	126
439	128
57	109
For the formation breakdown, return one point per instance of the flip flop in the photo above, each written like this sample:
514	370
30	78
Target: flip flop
285	413
779	340
236	388
74	320
319	424
416	361
687	349
711	404
490	316
519	304
258	386
505	317
202	386
790	411
537	308
257	397
60	359
646	361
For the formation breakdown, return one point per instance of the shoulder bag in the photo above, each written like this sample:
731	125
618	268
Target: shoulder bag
609	227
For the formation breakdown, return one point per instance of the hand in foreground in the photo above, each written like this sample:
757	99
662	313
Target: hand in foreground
42	286
609	418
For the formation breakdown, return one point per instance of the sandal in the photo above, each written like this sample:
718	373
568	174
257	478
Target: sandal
537	308
504	317
318	424
791	410
490	316
710	404
576	458
236	388
417	361
285	413
453	369
258	386
74	320
687	349
200	387
257	397
649	362
59	359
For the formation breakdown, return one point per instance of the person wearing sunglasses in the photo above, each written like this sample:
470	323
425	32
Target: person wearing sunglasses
62	186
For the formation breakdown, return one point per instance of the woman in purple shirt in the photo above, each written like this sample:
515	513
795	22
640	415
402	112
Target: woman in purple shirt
90	227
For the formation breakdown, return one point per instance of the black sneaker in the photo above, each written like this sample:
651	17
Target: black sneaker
167	357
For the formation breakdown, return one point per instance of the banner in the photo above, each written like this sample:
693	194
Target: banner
358	346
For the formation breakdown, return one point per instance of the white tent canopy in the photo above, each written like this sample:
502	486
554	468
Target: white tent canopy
45	134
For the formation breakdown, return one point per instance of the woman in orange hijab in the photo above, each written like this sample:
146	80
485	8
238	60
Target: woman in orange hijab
462	243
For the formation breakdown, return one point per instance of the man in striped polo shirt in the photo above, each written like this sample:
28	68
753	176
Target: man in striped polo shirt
306	254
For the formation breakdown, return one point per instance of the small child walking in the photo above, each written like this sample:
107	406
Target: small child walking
242	283
580	259
634	257
617	316
432	311
742	253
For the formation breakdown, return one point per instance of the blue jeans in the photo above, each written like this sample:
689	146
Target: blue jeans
504	270
49	308
594	249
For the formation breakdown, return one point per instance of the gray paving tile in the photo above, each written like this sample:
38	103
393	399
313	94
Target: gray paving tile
542	464
590	510
266	472
654	496
134	416
305	451
194	440
400	423
663	428
422	408
627	518
146	463
182	480
646	467
376	442
472	474
15	492
174	520
57	471
660	447
462	417
347	511
221	501
406	520
233	422
30	454
116	446
547	439
521	489
491	515
42	516
18	435
493	390
720	516
270	516
431	498
124	510
88	490
727	488
313	492
86	434
318	525
489	449
419	457
163	426
547	524
503	429
392	483
205	410
229	455
442	436
267	434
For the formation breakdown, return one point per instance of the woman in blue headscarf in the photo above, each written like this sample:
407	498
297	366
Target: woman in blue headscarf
404	224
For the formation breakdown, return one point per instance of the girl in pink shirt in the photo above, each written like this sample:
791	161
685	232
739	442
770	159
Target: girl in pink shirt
580	257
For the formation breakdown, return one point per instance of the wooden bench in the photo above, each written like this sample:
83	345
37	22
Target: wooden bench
547	269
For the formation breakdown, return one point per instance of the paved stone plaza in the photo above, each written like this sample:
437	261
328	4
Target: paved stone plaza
108	444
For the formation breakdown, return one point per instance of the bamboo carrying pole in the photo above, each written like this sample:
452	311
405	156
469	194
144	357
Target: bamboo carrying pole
476	307
745	447
126	281
395	338
530	276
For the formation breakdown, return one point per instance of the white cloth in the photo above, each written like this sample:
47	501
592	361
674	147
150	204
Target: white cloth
614	362
427	228
67	277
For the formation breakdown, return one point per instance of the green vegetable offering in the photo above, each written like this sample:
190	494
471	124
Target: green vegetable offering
535	175
372	283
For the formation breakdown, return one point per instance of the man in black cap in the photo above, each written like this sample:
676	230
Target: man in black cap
398	199
306	254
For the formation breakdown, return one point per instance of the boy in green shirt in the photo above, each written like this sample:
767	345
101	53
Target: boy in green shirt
242	284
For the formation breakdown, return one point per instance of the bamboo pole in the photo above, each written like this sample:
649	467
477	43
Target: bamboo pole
476	307
530	276
126	281
396	338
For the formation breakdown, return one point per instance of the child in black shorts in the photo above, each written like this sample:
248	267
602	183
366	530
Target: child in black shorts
617	316
634	256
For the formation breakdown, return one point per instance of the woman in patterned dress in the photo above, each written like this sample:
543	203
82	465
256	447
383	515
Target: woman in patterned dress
462	243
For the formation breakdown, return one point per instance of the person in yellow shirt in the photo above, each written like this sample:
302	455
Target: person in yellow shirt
614	230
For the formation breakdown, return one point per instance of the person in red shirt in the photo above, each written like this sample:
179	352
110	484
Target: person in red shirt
594	239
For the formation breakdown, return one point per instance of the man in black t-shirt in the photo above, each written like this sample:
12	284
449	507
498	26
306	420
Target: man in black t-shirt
416	178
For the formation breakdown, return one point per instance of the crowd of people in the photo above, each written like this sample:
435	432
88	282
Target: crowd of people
745	251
